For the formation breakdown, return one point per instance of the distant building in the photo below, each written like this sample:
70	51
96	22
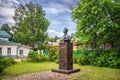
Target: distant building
54	44
105	46
79	46
10	48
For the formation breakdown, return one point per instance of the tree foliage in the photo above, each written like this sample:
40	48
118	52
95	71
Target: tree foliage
6	28
98	21
73	36
31	24
54	39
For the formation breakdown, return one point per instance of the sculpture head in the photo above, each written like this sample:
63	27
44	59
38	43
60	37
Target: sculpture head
66	37
65	30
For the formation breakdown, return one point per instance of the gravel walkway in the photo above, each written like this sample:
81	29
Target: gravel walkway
45	75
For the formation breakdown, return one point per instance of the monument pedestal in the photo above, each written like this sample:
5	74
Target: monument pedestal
66	71
65	59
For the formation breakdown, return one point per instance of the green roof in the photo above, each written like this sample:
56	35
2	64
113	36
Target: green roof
8	42
4	34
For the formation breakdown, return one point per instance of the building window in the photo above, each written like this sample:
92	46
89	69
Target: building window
21	53
9	51
0	51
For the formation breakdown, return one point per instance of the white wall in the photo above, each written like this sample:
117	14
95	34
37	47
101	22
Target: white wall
25	50
4	38
14	50
4	49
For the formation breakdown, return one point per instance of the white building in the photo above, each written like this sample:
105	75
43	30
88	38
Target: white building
12	49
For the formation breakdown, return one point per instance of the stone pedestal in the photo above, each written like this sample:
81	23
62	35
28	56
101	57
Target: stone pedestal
65	58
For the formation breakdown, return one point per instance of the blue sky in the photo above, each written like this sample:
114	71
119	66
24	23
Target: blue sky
57	12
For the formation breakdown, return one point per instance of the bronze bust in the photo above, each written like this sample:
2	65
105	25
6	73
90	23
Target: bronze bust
65	37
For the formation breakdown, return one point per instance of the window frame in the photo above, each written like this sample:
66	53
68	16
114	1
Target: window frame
9	51
0	50
21	52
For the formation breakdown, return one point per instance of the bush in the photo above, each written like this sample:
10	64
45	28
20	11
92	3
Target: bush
56	61
5	62
83	58
77	52
33	56
75	58
53	56
107	59
53	53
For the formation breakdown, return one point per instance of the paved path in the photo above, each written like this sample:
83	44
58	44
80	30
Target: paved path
45	75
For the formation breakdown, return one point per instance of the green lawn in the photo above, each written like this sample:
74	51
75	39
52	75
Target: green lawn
27	67
86	73
98	73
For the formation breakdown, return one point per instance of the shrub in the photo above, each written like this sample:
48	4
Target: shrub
83	58
53	56
53	53
108	59
77	52
56	61
33	56
5	62
75	58
101	58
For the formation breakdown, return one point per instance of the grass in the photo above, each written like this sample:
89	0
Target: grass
86	73
98	73
27	67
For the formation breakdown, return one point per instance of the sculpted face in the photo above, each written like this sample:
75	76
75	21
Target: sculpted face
65	30
65	37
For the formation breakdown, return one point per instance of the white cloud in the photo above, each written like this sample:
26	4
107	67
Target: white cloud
7	20
54	24
70	24
66	18
56	5
69	1
7	8
6	11
15	1
7	14
50	10
55	8
8	3
53	33
11	21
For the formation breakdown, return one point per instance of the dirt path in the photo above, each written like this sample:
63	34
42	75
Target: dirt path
45	75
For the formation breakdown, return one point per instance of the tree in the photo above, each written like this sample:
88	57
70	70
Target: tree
31	24
54	39
6	28
98	21
73	36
